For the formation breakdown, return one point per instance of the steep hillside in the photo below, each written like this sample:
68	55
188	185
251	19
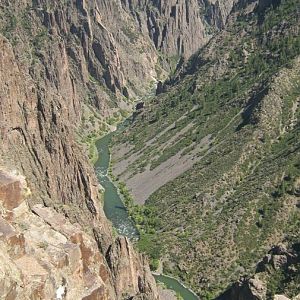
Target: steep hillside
216	157
276	275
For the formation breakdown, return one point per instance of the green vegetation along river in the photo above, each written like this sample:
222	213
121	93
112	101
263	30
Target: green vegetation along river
116	212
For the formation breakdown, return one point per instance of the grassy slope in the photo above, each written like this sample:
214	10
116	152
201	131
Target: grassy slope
212	223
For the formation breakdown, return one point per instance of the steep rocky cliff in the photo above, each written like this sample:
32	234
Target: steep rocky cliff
175	27
45	256
178	28
99	53
53	228
277	277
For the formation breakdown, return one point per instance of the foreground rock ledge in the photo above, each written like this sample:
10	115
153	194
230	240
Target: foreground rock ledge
44	256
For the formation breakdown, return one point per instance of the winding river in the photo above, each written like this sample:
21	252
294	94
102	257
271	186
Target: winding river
116	212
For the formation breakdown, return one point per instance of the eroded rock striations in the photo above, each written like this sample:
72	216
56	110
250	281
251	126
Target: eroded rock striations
175	27
178	28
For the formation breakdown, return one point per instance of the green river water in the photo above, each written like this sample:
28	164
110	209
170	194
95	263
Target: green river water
116	212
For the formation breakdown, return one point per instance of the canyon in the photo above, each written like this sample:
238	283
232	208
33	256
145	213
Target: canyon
209	165
62	65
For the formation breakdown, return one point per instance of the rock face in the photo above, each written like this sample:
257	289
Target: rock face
252	289
44	256
53	228
179	27
218	12
175	27
279	260
132	267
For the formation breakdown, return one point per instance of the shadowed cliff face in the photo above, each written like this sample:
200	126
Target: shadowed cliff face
175	27
179	27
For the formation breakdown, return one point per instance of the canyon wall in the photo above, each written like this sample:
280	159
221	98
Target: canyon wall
178	28
53	228
36	142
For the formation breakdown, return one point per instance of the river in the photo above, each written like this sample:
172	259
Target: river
116	212
114	208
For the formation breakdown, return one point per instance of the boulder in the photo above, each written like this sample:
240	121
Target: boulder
11	190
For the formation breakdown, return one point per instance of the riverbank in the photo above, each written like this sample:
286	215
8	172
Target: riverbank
93	153
170	281
117	212
114	208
